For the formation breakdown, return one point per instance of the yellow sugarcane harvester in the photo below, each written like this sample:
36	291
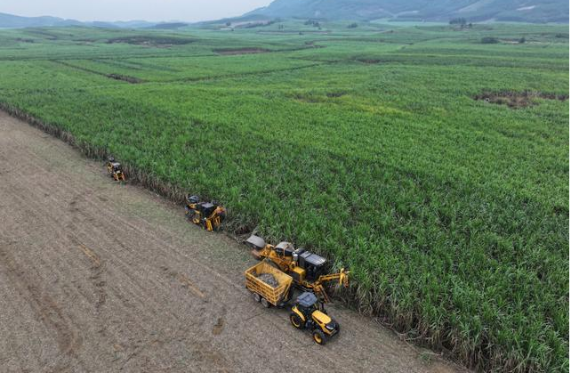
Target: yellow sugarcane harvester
115	170
207	215
306	269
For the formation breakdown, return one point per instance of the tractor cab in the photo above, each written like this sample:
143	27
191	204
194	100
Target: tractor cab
116	166
285	249
314	265
307	303
207	209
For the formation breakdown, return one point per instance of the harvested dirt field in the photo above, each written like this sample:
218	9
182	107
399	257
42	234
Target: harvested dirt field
98	276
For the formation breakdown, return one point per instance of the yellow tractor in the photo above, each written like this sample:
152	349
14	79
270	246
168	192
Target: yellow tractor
308	313
306	269
115	170
210	216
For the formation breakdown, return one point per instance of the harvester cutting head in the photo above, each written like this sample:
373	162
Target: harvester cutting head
256	242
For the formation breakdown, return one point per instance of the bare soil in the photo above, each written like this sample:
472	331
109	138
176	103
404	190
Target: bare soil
515	100
97	276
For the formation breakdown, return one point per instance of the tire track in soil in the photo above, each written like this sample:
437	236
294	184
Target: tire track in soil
52	312
75	241
71	226
45	308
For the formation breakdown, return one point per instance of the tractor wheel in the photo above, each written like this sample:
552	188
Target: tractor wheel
319	337
257	297
296	321
265	303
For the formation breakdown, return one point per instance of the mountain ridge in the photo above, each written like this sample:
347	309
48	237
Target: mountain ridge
534	11
11	21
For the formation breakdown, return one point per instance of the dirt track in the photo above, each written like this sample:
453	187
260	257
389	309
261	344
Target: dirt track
96	276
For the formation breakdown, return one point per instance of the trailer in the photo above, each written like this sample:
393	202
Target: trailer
270	286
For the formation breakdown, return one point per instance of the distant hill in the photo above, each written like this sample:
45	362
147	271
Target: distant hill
9	21
537	11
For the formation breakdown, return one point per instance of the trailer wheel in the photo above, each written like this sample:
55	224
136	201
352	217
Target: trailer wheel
265	303
257	297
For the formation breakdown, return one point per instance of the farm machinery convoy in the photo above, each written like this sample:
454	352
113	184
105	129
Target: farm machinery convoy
282	270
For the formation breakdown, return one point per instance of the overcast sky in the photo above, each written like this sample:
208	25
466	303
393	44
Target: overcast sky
124	10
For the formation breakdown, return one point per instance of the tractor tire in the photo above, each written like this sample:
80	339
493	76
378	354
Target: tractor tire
319	337
296	321
257	298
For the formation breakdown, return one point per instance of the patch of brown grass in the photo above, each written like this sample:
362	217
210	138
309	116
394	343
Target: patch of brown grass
516	100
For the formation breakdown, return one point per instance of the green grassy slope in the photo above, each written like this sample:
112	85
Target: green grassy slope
362	144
